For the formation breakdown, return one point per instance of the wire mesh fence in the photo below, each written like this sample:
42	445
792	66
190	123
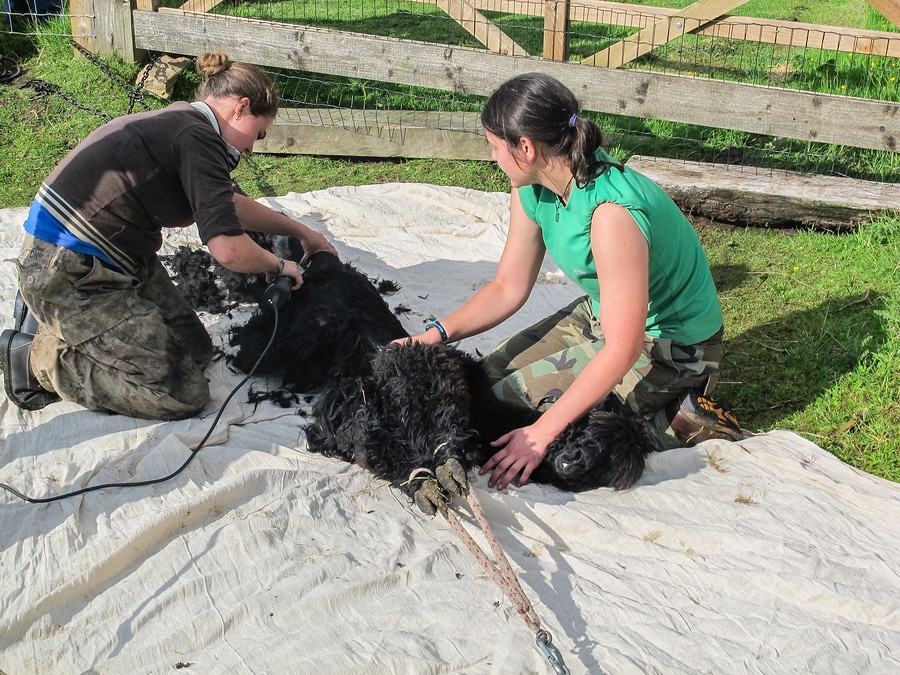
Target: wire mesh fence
23	17
844	61
335	100
859	62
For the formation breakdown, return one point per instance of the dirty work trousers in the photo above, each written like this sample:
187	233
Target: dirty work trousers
538	364
113	341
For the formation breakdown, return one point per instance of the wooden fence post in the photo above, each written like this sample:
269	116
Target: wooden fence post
106	27
556	30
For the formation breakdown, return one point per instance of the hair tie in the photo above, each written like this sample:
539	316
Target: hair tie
572	120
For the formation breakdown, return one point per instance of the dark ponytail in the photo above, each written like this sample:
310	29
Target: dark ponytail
541	108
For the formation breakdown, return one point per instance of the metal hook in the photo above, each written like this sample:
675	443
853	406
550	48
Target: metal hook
544	641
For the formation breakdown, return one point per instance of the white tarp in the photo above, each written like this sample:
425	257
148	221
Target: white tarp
765	556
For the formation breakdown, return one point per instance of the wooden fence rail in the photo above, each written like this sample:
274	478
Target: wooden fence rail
728	105
132	30
766	31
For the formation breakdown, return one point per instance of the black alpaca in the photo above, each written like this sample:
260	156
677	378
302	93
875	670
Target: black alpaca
330	325
415	415
421	416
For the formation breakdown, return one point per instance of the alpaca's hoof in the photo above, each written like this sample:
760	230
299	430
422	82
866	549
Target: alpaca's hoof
452	476
430	497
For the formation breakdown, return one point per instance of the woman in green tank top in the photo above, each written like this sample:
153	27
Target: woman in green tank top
649	327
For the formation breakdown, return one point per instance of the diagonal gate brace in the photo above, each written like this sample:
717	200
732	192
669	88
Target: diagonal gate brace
692	17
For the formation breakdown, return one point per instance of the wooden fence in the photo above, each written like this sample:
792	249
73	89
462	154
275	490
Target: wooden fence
756	109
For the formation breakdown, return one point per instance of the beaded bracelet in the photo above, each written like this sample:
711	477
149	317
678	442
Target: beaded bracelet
440	328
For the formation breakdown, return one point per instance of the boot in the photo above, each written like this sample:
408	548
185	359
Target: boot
695	418
23	320
22	387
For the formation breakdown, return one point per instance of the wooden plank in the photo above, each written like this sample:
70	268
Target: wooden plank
480	27
524	7
367	120
807	36
686	20
768	197
771	111
769	31
369	133
199	6
889	8
556	30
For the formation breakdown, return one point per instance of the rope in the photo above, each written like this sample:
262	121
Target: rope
503	575
501	571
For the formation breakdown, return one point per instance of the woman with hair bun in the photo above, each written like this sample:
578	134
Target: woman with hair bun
649	326
98	320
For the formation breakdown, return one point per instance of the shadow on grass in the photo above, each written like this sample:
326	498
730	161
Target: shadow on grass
729	277
781	366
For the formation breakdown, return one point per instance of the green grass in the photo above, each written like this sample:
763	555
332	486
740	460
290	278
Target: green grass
812	320
812	335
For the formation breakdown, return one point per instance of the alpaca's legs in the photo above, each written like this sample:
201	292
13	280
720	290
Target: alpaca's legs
434	493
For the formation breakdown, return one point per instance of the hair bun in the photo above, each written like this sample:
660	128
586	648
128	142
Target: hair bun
210	64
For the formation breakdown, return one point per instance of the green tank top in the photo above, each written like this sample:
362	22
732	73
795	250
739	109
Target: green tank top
684	305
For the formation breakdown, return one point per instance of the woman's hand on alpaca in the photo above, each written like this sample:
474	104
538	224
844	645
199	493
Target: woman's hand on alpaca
314	242
521	451
429	337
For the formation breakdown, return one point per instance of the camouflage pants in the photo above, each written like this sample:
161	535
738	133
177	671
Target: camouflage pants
538	364
113	341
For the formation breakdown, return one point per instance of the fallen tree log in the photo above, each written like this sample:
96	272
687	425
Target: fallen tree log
759	197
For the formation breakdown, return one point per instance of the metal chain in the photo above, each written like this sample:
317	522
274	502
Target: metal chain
9	69
43	88
134	93
146	73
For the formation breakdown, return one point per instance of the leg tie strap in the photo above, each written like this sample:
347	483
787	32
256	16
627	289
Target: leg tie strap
504	576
